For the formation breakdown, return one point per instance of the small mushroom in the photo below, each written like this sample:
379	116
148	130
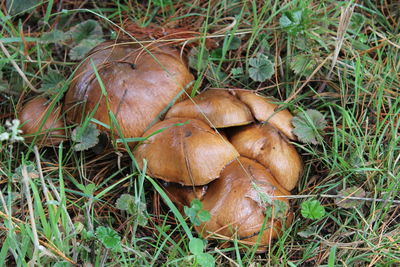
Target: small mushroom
240	201
189	154
36	119
218	108
268	146
264	111
139	84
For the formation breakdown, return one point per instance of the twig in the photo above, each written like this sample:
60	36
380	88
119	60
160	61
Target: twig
18	69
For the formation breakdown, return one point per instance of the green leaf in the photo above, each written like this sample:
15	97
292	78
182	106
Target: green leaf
312	209
216	54
52	82
124	201
196	60
261	68
303	64
294	21
79	52
54	36
196	204
85	138
353	191
17	7
215	73
308	126
236	71
205	260
109	237
89	29
235	43
195	213
204	215
134	207
196	246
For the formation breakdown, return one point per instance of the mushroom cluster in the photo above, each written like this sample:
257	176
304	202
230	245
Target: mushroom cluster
232	151
228	148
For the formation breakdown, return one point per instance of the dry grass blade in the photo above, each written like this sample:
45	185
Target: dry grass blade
344	21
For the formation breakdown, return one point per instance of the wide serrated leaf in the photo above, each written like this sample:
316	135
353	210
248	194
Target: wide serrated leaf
52	82
236	71
261	68
124	201
303	65
79	52
54	36
308	126
108	237
294	21
86	138
312	209
353	191
89	29
15	7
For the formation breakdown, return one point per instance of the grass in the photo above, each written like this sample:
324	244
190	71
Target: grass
73	193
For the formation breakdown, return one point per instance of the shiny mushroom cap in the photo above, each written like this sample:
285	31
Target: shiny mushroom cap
271	148
189	154
138	85
264	110
237	207
36	119
218	108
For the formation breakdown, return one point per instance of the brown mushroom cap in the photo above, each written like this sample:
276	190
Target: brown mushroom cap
190	154
32	116
139	85
216	107
235	205
264	110
269	147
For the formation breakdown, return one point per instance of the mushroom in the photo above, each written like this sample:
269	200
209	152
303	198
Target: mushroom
139	84
36	119
271	148
216	107
186	151
236	202
264	110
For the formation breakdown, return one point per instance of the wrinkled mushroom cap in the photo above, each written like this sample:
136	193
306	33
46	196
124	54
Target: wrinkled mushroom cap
218	108
189	154
264	110
139	85
269	147
234	202
32	116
